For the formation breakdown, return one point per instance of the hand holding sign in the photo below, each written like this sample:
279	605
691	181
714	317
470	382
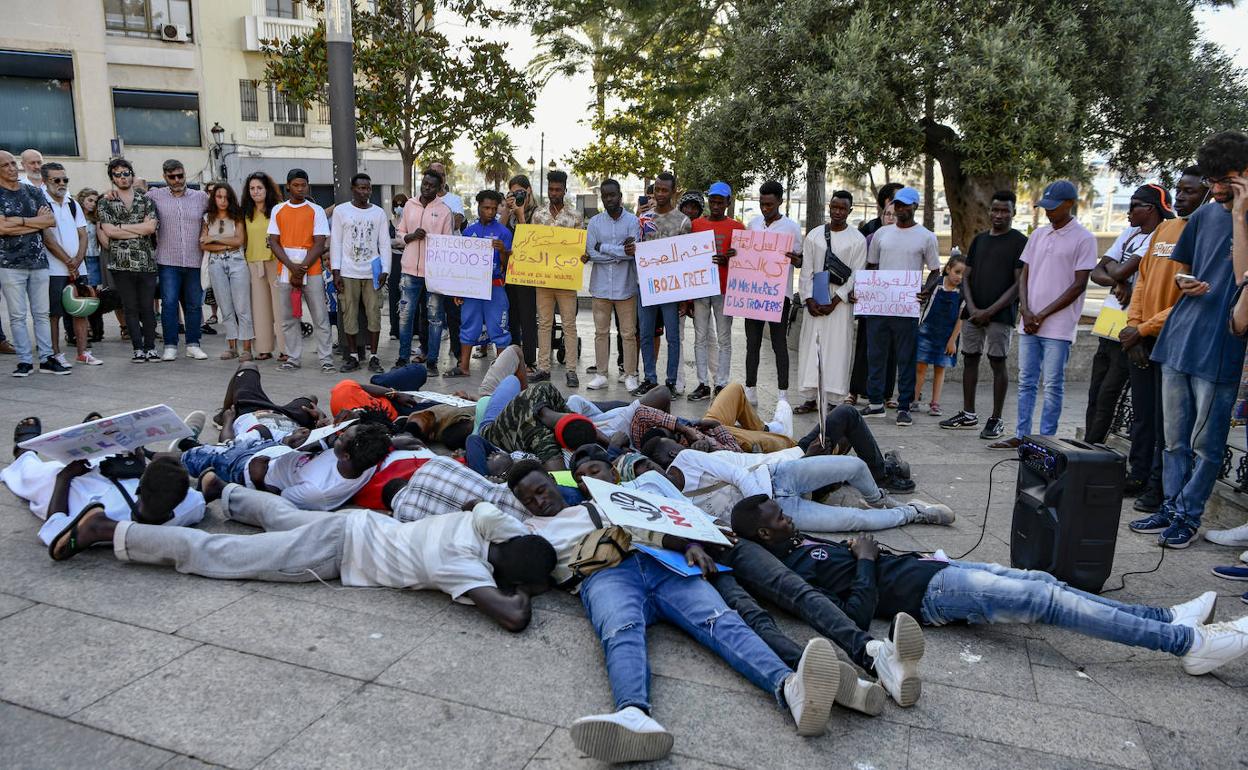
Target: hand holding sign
887	292
758	275
547	257
459	267
675	269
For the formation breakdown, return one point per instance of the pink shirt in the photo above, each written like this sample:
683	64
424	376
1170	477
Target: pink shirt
1052	258
177	239
436	219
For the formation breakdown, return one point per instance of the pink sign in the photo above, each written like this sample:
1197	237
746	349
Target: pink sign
758	276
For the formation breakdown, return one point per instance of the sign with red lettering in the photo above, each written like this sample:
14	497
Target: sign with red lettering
887	292
633	508
758	276
678	268
459	267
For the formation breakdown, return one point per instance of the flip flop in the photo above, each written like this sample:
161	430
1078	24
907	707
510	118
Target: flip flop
93	416
454	372
264	356
26	428
806	408
72	532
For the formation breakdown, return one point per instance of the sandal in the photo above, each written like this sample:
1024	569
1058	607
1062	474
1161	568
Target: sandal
92	417
934	409
26	429
806	408
851	399
454	371
245	356
264	357
72	531
229	354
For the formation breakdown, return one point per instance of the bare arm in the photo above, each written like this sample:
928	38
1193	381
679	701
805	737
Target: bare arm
511	611
1239	226
55	248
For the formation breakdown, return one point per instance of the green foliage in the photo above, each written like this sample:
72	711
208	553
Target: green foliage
496	157
415	90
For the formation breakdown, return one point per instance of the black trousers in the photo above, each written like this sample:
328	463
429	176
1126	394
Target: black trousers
845	423
138	295
891	347
861	371
1147	428
779	334
1109	379
392	293
522	318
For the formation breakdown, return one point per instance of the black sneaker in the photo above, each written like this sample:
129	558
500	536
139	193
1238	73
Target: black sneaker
960	421
1133	486
895	465
895	483
23	370
51	366
993	429
573	381
374	364
350	364
719	389
399	363
699	393
138	357
903	418
540	375
645	388
872	411
1149	502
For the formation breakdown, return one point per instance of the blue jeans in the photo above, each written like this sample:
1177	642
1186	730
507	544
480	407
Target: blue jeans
228	461
623	600
887	336
1040	356
991	593
411	291
1198	418
792	479
180	284
503	395
648	316
410	377
26	294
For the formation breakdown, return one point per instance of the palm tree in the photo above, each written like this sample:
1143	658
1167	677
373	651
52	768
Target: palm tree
568	51
496	157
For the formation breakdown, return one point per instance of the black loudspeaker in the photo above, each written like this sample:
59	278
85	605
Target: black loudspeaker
1066	510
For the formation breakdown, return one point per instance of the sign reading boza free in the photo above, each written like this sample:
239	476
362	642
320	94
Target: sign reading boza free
677	268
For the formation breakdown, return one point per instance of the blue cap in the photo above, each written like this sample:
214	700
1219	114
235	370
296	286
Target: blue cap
907	196
720	188
1058	193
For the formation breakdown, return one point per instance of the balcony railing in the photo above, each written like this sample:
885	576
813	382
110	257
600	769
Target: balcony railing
288	129
259	27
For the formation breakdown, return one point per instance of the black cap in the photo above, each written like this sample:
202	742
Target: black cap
1156	196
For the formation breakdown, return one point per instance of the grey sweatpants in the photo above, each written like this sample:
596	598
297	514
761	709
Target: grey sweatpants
297	547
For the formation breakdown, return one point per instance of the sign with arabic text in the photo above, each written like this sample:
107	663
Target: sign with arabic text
456	266
632	508
678	268
887	292
759	275
547	257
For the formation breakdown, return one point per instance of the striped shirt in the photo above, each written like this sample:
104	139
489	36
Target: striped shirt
443	486
177	240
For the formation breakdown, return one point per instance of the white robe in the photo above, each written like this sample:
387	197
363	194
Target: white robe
835	332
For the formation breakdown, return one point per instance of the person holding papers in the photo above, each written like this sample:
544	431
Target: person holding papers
491	313
297	232
660	219
360	239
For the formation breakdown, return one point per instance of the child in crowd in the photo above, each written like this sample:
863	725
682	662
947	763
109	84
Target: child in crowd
939	328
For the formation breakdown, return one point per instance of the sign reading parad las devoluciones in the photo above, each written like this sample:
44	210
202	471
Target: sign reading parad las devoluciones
633	508
887	292
456	266
759	275
547	257
678	268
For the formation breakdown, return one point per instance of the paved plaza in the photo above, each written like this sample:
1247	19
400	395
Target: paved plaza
112	665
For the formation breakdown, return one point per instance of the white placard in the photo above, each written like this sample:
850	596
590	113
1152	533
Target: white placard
632	508
123	432
441	398
456	266
676	269
320	434
887	292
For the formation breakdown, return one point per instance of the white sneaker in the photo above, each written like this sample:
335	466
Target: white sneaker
931	513
897	660
860	695
597	383
680	383
1244	557
751	395
195	352
784	416
811	690
1236	537
170	354
63	361
1196	612
1216	644
628	735
630	383
886	501
196	421
89	360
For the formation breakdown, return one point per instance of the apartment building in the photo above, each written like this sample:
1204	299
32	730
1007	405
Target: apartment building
157	79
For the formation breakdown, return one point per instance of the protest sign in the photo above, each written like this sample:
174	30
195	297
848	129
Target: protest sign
320	434
887	292
758	276
631	508
547	257
123	432
679	268
459	267
441	398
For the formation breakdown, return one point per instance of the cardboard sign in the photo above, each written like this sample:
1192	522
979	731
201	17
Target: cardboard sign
320	434
759	275
547	257
459	267
631	508
441	398
887	292
123	432
1109	322
676	269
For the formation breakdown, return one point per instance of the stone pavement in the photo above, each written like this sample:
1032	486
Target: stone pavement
104	664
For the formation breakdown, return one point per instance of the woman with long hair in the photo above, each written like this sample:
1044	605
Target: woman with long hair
222	236
519	206
260	196
97	273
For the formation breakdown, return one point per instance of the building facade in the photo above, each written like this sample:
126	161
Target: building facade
81	80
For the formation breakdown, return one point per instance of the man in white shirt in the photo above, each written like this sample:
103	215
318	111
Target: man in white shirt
319	480
480	557
359	236
32	168
905	245
770	196
66	246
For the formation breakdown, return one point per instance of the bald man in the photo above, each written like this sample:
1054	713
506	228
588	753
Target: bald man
32	168
24	215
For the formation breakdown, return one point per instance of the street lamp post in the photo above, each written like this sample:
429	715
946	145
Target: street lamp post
541	165
341	94
218	135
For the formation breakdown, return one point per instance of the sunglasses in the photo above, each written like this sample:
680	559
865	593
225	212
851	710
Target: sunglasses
123	174
175	176
59	179
1209	181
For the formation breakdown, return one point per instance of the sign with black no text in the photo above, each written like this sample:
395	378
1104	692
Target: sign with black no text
632	508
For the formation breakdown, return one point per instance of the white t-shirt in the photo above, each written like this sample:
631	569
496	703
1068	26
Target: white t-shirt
742	473
904	248
448	553
312	482
67	224
280	426
781	225
1129	243
357	237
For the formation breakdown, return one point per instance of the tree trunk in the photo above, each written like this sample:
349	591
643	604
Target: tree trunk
408	158
816	173
968	198
929	192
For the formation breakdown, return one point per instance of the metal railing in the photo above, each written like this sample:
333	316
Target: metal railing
1234	470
